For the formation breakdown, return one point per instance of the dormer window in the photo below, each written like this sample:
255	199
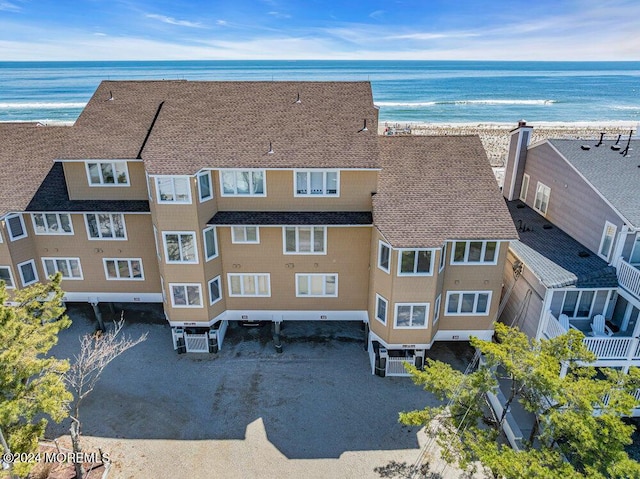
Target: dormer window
173	189
317	183
107	173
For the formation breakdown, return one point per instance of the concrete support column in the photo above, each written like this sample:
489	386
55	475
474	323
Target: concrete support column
276	337
366	336
98	314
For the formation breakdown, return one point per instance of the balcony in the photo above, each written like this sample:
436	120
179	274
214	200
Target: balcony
621	349
629	277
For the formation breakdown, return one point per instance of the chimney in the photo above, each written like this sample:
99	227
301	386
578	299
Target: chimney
514	169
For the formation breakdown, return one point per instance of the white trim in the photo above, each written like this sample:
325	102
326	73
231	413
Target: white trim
467	249
68	260
388	246
443	257
415	261
113	168
96	160
324	183
541	187
524	187
235	240
155	240
117	268
325	277
22	223
211	300
235	186
35	272
104	297
100	237
172	179
636	244
255	284
1	232
215	242
436	310
386	308
412	305
607	225
475	303
463	334
374	337
185	286
297	240
208	174
47	231
278	316
13	282
180	233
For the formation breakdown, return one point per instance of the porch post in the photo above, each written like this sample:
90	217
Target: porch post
98	314
276	336
366	336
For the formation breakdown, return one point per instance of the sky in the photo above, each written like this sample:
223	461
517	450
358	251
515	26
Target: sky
319	29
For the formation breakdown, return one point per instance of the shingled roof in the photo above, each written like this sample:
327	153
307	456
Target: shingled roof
229	125
437	188
615	176
26	156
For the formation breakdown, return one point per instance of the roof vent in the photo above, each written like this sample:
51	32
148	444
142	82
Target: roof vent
547	227
298	100
364	127
616	147
600	142
270	151
110	96
584	254
585	147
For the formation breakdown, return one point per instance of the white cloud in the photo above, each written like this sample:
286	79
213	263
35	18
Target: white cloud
377	14
279	14
9	7
221	22
173	21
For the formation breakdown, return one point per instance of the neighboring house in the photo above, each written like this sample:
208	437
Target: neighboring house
577	263
258	201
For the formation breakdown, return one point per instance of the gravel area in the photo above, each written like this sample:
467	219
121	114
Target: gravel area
247	412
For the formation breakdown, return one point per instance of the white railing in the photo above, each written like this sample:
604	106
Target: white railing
629	277
197	343
609	348
395	365
372	356
552	328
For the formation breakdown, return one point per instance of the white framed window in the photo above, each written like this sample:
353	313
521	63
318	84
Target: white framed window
180	246
606	243
107	173
215	291
381	309
316	285
541	202
52	223
415	262
468	303
411	315
578	303
249	284
126	269
16	227
317	182
242	183
28	272
384	256
524	188
436	309
69	267
475	252
210	243
245	234
106	226
7	277
443	256
634	258
186	295
173	189
305	239
205	189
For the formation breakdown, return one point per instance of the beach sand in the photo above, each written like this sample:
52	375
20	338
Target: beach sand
495	137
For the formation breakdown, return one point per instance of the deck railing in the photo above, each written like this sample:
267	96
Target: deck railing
197	343
629	277
395	365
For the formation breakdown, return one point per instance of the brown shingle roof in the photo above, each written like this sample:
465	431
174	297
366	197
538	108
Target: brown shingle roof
26	157
432	189
229	125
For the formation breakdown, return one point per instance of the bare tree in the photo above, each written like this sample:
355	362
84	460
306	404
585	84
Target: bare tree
96	352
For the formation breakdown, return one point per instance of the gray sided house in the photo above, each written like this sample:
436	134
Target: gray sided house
576	206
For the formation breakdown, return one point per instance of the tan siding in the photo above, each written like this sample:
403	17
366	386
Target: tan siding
382	284
24	250
348	256
355	194
573	205
78	184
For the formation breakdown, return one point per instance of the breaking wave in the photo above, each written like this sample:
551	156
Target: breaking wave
40	105
464	102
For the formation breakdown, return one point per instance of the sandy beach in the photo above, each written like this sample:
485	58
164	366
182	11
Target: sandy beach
495	137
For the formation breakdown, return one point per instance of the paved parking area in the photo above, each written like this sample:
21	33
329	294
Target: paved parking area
313	411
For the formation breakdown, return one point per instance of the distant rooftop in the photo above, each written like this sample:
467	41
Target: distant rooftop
554	256
615	176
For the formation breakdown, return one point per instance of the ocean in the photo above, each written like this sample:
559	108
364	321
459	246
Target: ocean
405	91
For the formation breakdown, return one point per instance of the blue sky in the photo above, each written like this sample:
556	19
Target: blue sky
314	29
